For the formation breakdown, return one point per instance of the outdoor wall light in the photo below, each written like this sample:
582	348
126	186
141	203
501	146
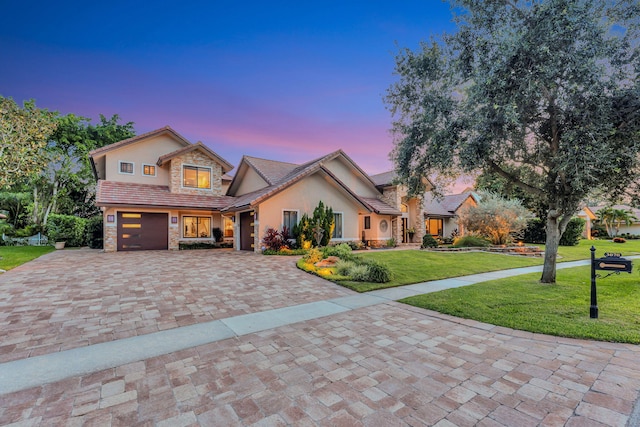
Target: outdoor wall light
174	220
111	218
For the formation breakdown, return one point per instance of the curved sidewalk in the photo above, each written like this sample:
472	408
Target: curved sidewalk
35	371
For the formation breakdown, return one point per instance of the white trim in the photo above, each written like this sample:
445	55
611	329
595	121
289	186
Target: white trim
155	170
133	167
199	167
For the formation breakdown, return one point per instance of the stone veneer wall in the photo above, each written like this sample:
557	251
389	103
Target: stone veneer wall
391	196
110	232
195	158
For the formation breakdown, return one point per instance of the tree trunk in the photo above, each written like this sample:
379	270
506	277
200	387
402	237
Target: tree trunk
551	250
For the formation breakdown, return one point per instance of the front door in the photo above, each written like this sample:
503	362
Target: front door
246	231
405	225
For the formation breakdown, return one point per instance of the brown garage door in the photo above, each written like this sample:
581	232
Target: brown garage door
138	231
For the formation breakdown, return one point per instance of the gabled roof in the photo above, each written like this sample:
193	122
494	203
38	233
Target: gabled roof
271	171
226	166
283	175
133	140
446	206
113	193
384	179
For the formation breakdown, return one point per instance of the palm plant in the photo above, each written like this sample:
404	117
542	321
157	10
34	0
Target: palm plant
613	218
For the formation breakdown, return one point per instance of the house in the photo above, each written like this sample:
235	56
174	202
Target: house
442	214
158	190
590	215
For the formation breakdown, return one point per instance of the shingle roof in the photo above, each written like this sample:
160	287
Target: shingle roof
282	175
271	171
380	207
226	166
446	206
112	193
384	178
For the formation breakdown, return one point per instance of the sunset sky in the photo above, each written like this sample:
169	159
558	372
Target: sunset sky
288	81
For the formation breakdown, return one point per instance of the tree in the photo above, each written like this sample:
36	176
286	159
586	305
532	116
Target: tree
613	218
544	94
24	133
496	218
65	185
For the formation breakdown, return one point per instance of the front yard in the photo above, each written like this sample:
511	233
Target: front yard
411	266
13	256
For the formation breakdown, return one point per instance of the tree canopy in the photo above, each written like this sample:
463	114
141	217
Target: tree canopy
544	94
24	133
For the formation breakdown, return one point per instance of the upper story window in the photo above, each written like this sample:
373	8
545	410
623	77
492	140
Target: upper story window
126	167
148	170
196	177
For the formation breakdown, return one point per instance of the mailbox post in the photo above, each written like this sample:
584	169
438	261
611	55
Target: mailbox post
614	263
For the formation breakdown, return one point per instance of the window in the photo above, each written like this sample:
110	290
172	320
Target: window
434	226
149	170
126	167
337	226
197	226
196	177
289	219
228	227
367	222
404	208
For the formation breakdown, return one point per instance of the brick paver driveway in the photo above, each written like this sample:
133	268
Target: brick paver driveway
79	297
384	365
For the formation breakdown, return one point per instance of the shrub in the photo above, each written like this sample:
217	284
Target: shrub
378	272
343	267
314	255
68	228
470	241
285	251
356	245
360	273
272	240
495	218
618	240
572	234
535	231
342	251
599	231
95	232
391	243
428	241
217	234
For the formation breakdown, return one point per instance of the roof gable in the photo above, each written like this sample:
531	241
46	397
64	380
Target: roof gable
226	166
167	130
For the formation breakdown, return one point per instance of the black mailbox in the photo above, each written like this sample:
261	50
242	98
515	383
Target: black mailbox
613	262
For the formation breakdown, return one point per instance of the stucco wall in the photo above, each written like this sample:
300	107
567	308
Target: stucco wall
251	181
304	196
375	232
351	178
143	152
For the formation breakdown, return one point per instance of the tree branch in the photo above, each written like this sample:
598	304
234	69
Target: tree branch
526	187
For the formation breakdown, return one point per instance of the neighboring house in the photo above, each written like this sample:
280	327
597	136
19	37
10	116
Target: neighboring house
442	214
158	190
590	215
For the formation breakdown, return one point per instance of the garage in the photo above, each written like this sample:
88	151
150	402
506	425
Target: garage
139	231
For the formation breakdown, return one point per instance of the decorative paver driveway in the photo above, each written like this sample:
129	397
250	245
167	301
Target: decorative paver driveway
74	298
383	365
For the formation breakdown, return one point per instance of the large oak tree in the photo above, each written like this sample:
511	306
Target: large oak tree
542	93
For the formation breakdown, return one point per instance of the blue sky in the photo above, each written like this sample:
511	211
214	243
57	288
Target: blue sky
287	81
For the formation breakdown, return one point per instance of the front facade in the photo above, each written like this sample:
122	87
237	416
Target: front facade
158	191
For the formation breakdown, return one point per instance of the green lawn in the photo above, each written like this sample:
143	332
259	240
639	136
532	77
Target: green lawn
562	309
421	266
13	256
